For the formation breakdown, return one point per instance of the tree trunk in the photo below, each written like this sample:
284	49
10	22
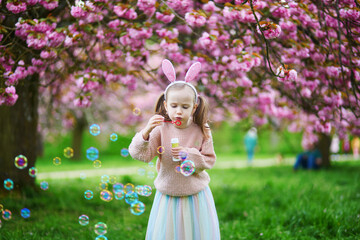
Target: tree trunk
79	127
18	134
324	148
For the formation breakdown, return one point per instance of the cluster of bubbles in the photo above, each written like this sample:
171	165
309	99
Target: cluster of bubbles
187	167
150	172
7	214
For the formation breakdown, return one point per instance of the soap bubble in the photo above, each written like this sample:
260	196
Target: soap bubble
105	178
137	208
94	129
25	213
187	168
151	174
82	176
151	164
44	185
118	186
32	172
141	171
183	155
177	169
139	189
68	152
124	152
147	191
8	184
131	197
113	137
103	186
160	150
100	228
129	188
21	162
57	161
6	214
136	111
106	195
97	164
83	220
92	153
119	194
112	179
101	237
88	194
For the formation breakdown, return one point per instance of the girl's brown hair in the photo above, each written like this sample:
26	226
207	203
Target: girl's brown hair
200	116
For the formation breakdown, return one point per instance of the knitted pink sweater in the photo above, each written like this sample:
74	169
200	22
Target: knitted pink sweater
199	150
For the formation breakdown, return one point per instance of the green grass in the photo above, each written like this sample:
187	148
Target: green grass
252	203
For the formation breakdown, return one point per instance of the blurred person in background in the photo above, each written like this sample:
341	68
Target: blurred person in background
250	144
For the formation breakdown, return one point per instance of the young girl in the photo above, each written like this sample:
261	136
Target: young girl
183	208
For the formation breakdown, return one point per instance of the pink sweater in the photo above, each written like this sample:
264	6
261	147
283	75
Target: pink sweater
199	150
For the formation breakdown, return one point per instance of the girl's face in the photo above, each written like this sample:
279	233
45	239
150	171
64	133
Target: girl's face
180	105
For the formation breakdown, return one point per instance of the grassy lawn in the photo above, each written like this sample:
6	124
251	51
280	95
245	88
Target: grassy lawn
252	203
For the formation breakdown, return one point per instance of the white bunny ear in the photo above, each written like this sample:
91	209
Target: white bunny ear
168	70
193	72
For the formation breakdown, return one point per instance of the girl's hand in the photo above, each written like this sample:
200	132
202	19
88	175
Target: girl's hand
176	152
153	122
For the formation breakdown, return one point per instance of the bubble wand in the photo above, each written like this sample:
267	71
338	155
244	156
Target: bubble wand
177	122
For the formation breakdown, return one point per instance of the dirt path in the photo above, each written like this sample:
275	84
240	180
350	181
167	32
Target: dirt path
134	170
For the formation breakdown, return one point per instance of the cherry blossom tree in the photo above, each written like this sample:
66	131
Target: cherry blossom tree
296	61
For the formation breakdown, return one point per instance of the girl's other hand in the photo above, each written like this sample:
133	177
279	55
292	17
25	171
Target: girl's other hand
153	122
176	152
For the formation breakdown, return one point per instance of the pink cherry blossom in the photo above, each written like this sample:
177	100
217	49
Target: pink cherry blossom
17	7
166	18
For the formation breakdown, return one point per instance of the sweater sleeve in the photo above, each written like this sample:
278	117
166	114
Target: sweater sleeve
205	157
145	150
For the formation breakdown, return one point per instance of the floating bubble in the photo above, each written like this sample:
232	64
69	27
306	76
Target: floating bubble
100	228
88	194
8	184
92	153
139	189
105	178
106	195
147	190
113	137
68	152
177	169
160	150
151	164
119	194
44	185
183	155
137	208
118	186
25	213
136	111
21	162
57	161
6	214
103	186
83	220
187	168
32	171
141	171
112	180
94	129
151	174
101	237
97	164
124	152
82	176
131	198
129	188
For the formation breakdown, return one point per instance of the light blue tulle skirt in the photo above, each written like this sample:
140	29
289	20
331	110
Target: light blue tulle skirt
183	218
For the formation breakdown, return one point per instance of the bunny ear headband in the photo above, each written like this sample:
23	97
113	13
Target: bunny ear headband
169	71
